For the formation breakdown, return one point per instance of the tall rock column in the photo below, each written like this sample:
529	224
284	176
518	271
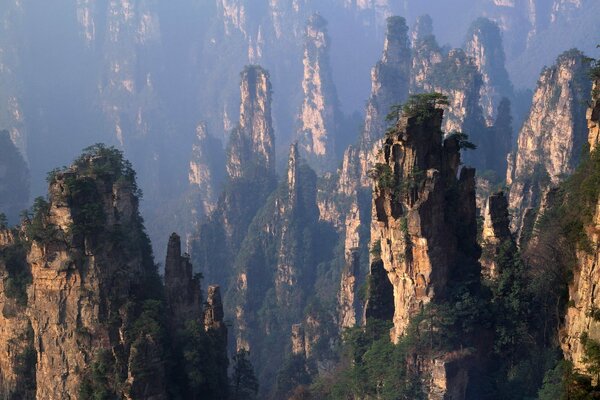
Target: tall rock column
581	316
426	53
91	269
496	233
250	179
182	289
484	46
14	179
424	215
551	138
251	148
319	117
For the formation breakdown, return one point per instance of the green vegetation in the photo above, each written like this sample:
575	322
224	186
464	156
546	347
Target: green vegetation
462	140
244	385
422	106
14	258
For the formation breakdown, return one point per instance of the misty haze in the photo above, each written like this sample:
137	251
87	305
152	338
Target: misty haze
299	199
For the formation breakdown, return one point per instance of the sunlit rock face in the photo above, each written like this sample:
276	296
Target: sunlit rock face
412	227
80	282
251	148
484	46
550	141
425	53
319	116
580	317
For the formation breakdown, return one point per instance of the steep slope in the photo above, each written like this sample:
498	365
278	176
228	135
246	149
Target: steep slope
581	326
276	269
419	239
250	179
550	141
319	117
484	45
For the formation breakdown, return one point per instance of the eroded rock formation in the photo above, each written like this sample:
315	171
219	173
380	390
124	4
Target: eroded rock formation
495	234
319	117
418	235
582	315
484	45
550	141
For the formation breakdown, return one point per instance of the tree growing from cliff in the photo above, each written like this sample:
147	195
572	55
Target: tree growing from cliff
244	385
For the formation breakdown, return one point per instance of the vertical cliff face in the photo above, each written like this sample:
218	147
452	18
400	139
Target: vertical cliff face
127	91
496	233
206	172
426	53
182	289
251	151
551	138
276	269
14	179
249	181
12	115
80	297
319	116
581	316
457	77
17	357
389	79
423	213
593	116
484	46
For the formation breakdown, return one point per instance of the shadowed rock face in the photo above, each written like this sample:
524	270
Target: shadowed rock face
551	138
484	45
319	117
419	235
580	317
14	179
496	233
182	289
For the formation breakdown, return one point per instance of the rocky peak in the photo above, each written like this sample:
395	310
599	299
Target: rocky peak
415	235
496	233
319	115
422	29
426	53
252	142
389	80
484	46
457	77
552	136
89	250
182	289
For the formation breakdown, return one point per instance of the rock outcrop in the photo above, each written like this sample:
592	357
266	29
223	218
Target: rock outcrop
425	53
484	46
251	150
550	141
319	119
205	173
495	234
80	302
12	115
581	319
249	181
182	288
416	233
14	179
